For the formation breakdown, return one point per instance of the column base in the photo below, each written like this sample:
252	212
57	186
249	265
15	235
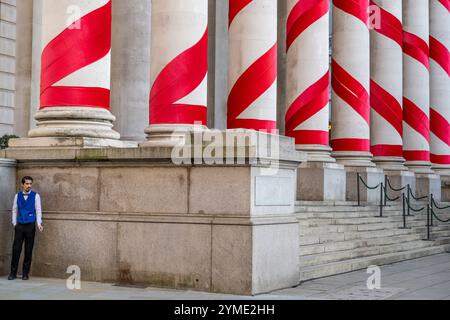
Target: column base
168	135
63	122
321	181
372	177
419	167
317	153
80	142
354	159
427	184
390	163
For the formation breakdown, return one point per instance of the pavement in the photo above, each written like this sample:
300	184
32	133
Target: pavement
426	278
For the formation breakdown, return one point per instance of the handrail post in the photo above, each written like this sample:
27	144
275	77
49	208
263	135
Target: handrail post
431	216
404	211
428	222
381	200
386	190
358	186
409	199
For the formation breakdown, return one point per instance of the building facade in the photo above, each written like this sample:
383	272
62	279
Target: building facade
101	92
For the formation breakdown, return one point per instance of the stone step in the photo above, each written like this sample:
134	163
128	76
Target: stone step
304	209
329	257
326	229
343	236
354	244
320	271
349	215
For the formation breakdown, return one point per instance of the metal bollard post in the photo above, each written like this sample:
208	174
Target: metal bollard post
381	200
358	192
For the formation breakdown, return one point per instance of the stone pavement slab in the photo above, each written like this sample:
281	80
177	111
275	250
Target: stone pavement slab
426	278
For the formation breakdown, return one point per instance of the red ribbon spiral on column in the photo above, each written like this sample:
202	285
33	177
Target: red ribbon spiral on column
72	50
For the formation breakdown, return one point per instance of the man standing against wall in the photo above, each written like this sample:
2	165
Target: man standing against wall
26	213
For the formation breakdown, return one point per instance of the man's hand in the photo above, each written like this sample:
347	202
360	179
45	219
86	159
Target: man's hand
41	228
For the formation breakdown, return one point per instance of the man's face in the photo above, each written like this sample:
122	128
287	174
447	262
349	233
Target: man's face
27	185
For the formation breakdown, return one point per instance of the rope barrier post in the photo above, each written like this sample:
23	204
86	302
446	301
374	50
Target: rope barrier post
404	211
386	190
381	200
409	199
358	186
428	222
432	209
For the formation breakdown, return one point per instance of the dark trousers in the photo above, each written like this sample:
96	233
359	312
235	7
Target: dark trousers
23	232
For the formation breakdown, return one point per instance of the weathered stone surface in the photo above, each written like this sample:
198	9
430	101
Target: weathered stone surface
144	190
165	255
66	188
90	245
8	186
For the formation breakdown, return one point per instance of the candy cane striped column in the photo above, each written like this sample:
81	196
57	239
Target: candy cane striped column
179	67
75	70
350	82
252	100
440	83
386	85
416	84
307	117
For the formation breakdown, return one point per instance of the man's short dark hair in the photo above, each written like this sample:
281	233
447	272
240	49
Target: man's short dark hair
27	178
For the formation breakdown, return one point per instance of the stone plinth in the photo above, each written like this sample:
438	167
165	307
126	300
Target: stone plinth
65	142
8	182
427	184
445	187
133	216
399	179
321	181
372	177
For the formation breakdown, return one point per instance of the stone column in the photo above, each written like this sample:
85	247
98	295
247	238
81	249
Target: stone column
440	91
7	189
307	117
179	68
440	84
386	90
416	96
130	72
7	66
24	52
252	99
350	135
75	76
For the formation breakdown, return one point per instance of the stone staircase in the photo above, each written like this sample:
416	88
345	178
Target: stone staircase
341	237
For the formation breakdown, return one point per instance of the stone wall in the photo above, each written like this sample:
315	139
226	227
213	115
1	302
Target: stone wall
7	190
7	65
132	216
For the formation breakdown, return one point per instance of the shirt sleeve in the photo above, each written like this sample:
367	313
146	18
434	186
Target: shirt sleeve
38	207
14	212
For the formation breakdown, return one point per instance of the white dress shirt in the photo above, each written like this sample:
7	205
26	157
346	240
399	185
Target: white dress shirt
37	206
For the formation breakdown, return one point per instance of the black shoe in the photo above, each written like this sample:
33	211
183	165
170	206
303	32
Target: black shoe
25	277
12	277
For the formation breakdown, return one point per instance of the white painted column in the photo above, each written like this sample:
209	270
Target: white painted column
179	68
416	102
386	87
252	99
440	84
130	72
350	81
75	70
307	117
